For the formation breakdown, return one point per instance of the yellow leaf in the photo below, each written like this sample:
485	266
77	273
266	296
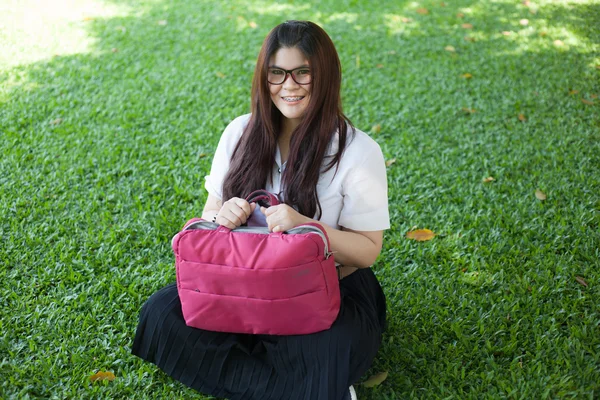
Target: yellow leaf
469	110
467	76
572	92
379	66
507	33
390	162
102	376
540	195
252	25
406	20
114	50
422	11
488	179
460	15
162	22
420	235
588	102
220	75
201	155
559	43
376	128
543	34
581	281
467	26
522	118
524	22
469	39
57	121
88	18
375	380
450	48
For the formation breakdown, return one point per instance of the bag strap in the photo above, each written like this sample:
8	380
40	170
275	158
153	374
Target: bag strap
263	198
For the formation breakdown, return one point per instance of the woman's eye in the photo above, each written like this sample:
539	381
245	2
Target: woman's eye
277	72
303	72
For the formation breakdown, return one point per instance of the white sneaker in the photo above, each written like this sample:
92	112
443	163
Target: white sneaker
353	393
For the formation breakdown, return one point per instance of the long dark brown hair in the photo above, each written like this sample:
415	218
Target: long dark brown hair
254	156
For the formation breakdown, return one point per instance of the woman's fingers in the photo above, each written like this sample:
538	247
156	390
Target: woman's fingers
235	212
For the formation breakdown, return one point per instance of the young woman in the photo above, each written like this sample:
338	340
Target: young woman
298	144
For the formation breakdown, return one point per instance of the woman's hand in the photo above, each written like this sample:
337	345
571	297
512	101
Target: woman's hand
282	217
235	212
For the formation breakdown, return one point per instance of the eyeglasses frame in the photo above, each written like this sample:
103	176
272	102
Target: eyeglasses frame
290	72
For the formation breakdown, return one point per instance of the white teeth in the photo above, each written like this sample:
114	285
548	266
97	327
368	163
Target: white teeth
293	98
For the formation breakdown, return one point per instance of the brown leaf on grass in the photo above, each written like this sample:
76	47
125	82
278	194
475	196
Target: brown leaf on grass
488	179
573	91
581	281
541	196
543	34
405	20
102	376
524	22
379	66
460	15
469	110
470	39
526	3
467	26
467	76
559	43
422	11
507	33
593	96
450	49
442	4
588	102
420	235
390	162
220	74
375	380
114	50
201	155
522	118
57	121
376	128
252	25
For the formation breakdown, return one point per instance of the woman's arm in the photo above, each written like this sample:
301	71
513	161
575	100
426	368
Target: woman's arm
351	248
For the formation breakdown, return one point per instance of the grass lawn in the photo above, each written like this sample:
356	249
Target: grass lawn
110	112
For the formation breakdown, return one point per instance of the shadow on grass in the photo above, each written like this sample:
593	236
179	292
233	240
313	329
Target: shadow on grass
119	140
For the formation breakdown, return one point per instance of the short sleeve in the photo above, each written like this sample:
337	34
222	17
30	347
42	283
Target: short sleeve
221	160
365	200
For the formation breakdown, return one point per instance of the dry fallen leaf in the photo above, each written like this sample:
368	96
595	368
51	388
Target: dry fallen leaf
559	43
507	33
57	121
467	26
467	76
375	380
593	96
526	3
572	92
450	48
543	34
588	102
422	11
488	179
201	155
469	110
540	195
162	22
420	235
581	281
524	22
469	38
114	50
102	376
220	75
379	66
442	4
252	25
460	15
598	66
390	162
376	128
406	20
522	118
88	18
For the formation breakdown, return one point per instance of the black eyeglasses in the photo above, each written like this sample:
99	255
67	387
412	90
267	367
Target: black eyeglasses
276	76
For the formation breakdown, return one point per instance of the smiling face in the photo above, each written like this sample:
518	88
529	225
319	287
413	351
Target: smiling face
290	98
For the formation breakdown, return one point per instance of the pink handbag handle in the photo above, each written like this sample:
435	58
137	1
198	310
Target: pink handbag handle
263	198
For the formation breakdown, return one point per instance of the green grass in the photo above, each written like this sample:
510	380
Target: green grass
102	160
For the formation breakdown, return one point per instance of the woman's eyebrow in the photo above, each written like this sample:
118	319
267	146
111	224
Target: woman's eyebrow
302	66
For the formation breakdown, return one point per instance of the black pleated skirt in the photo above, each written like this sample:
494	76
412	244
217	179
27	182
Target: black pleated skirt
319	366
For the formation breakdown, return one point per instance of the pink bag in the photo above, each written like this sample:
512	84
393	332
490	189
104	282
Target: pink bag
249	280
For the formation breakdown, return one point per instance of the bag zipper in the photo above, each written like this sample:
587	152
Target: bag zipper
300	229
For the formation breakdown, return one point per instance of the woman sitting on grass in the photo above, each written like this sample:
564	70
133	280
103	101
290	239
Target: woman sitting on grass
297	143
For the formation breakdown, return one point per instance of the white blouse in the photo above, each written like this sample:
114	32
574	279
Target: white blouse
354	196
